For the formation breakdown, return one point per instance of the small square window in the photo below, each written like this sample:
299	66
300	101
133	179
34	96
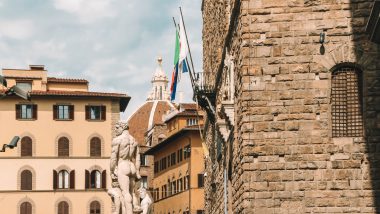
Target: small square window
63	112
95	113
26	111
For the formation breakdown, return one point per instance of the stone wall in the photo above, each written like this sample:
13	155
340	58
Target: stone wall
284	158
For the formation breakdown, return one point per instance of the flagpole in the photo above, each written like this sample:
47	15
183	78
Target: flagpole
187	41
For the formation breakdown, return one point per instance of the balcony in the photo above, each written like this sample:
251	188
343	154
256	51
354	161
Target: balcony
204	91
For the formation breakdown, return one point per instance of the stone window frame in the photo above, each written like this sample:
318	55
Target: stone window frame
345	54
101	145
98	200
27	134
362	88
70	144
67	200
26	199
31	169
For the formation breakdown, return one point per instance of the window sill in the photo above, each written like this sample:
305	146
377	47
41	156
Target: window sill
95	189
95	120
26	119
63	119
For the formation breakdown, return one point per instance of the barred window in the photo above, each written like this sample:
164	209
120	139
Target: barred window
346	103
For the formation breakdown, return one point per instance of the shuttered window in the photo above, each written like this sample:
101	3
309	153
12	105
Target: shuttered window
346	103
26	111
26	146
95	147
95	112
63	207
26	180
26	208
95	207
63	147
63	112
63	179
95	179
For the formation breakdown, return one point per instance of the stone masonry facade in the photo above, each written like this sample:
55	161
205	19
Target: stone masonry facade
280	155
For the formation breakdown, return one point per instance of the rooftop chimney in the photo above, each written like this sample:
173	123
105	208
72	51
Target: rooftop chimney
37	67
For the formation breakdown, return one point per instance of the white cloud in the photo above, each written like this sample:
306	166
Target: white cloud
16	29
87	10
114	46
50	49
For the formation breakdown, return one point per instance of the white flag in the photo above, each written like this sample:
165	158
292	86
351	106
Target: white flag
183	50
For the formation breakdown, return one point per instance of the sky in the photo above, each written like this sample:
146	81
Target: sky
114	44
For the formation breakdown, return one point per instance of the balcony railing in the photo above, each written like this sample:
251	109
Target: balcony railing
204	91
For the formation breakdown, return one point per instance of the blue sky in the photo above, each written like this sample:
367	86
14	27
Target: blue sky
112	43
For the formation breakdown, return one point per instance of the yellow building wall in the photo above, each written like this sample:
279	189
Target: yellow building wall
47	202
38	84
45	131
194	166
68	87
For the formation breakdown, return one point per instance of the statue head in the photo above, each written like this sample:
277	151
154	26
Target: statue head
120	127
142	192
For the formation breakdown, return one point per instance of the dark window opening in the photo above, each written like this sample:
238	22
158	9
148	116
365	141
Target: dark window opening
63	147
346	100
26	180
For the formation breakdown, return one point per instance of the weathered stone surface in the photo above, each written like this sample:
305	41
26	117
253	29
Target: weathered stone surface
284	158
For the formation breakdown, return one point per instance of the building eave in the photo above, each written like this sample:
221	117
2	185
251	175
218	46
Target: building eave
168	140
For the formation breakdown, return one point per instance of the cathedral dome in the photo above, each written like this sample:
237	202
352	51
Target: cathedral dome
153	110
150	113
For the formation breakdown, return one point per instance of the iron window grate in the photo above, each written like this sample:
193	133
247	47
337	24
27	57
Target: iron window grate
347	118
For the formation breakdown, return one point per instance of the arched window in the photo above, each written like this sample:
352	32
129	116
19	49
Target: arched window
26	146
95	147
26	180
26	208
346	103
63	207
63	179
95	207
63	147
95	179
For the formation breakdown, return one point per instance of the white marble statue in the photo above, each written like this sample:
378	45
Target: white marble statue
125	171
117	198
146	201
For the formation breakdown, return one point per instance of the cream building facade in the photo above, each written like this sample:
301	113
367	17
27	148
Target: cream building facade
61	163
